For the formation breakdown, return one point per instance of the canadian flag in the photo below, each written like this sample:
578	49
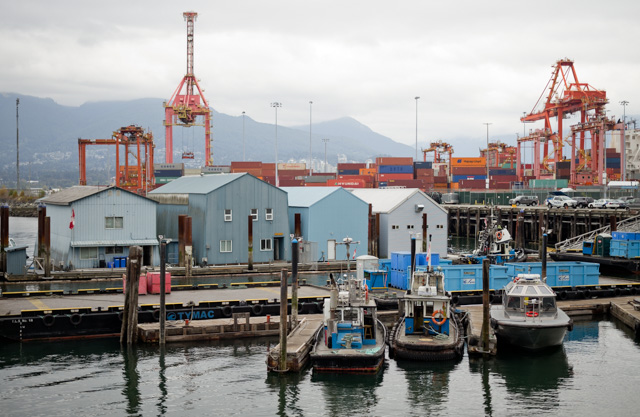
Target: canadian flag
354	254
72	223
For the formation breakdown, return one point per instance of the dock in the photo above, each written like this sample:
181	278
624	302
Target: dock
300	342
241	325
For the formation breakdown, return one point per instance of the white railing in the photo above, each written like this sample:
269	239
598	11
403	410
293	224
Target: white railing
632	224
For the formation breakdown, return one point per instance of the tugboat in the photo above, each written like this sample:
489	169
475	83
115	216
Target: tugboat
529	317
352	339
427	330
495	243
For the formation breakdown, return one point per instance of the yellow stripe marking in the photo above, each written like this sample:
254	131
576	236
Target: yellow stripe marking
39	304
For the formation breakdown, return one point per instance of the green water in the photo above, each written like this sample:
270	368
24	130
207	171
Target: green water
595	373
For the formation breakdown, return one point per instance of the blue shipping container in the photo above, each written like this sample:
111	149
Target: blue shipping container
469	277
496	171
560	273
348	172
395	169
423	165
457	178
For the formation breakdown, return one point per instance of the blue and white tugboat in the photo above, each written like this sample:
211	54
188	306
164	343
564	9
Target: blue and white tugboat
427	329
529	316
352	339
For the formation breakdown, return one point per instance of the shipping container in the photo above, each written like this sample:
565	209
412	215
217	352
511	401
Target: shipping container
500	171
368	171
168	173
386	177
246	164
216	169
179	166
394	161
395	169
351	166
423	165
458	178
470	162
347	183
287	166
348	172
462	170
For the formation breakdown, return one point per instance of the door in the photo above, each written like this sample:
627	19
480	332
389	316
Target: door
331	250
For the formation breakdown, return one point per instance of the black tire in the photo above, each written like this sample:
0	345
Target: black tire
566	206
48	320
320	306
226	311
517	203
257	309
156	315
75	319
549	205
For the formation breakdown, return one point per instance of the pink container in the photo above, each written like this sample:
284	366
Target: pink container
142	285
153	283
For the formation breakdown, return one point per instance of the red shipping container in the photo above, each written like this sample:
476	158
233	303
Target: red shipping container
440	179
142	284
405	183
464	170
153	283
351	165
246	164
390	160
284	182
387	177
354	183
315	184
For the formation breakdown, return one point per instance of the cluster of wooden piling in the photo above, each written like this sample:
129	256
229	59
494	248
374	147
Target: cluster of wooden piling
527	224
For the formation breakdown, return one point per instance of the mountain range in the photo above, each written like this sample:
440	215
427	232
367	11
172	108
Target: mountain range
48	133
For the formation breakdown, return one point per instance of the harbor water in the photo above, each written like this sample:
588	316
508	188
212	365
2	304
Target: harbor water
596	372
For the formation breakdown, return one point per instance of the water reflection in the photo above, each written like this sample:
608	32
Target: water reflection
428	383
162	382
347	394
131	390
530	378
287	387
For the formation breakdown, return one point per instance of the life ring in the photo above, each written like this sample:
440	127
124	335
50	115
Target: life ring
48	320
499	235
75	319
226	311
532	314
441	322
256	309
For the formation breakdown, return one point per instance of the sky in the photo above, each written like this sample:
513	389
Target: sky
470	62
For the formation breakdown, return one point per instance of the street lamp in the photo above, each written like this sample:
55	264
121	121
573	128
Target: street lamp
310	113
275	105
243	148
325	154
417	98
623	170
487	156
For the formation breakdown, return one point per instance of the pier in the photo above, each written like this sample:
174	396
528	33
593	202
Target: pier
300	342
526	224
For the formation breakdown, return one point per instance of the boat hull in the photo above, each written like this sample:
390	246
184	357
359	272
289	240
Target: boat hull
531	338
421	348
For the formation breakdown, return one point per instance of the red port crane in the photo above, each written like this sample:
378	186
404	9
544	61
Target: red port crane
564	96
184	107
137	177
439	148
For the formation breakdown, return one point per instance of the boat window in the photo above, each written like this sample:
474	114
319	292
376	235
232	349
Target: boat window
350	315
517	290
545	290
513	303
548	304
531	291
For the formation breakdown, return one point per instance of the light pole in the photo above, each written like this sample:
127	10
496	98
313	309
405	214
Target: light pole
17	147
325	154
487	156
243	148
275	105
417	98
310	113
623	170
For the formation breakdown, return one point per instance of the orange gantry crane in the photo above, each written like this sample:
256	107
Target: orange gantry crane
565	95
439	149
499	153
183	108
138	176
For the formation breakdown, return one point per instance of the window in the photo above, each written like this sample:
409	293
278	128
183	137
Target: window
254	214
410	226
268	214
88	253
227	215
113	222
265	244
395	226
226	245
113	250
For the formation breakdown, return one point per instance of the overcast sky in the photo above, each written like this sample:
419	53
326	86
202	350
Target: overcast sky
470	62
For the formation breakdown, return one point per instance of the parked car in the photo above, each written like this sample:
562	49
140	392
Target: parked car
616	204
627	198
562	201
583	201
634	204
527	200
601	203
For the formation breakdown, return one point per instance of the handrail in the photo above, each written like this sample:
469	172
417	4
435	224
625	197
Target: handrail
574	242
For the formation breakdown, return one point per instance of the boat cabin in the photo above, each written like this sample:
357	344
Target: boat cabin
528	295
351	322
427	307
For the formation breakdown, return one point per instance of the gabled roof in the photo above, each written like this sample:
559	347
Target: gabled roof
307	196
78	192
385	200
197	184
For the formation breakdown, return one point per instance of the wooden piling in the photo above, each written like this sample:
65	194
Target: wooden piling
47	247
181	238
250	242
294	282
485	305
128	333
283	320
163	304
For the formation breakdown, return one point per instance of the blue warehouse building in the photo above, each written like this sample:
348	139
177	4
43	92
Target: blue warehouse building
328	215
219	206
106	222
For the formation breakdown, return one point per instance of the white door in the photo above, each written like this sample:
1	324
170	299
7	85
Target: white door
331	250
